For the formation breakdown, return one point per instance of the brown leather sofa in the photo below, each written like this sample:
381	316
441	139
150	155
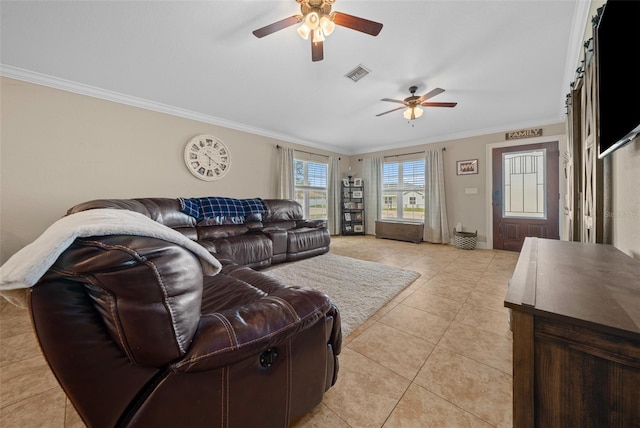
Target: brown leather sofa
138	337
278	233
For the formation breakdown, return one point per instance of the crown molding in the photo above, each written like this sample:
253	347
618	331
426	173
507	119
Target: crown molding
574	47
95	92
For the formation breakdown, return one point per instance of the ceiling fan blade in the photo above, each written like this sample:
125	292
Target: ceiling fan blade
393	101
439	104
399	108
430	94
277	26
317	51
358	24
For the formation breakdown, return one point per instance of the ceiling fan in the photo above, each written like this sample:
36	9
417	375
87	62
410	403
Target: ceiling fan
413	103
318	22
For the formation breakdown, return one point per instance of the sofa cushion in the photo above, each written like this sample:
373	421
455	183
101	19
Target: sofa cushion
223	231
282	210
221	220
252	250
305	239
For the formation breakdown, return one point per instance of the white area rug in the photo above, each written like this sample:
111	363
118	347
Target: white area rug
359	288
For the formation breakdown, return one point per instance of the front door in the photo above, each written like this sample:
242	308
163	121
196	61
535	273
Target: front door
525	194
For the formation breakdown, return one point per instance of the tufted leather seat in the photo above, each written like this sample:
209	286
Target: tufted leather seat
138	337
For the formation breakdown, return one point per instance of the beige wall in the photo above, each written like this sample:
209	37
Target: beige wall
470	209
625	212
59	148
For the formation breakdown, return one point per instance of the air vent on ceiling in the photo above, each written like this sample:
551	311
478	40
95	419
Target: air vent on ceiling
357	73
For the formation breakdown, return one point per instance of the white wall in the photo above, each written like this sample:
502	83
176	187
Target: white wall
59	148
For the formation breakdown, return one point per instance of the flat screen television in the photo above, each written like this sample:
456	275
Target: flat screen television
617	48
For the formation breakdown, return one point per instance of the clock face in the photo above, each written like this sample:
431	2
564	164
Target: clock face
207	157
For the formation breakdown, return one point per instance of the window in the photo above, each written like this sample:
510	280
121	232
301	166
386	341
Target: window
311	187
403	190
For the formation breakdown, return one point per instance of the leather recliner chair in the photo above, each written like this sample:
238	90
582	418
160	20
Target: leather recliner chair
138	337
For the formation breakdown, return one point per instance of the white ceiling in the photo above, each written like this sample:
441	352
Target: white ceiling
507	64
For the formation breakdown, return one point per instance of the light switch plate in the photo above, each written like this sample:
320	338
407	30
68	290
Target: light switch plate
470	190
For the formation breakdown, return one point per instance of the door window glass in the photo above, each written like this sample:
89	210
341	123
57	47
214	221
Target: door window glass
524	184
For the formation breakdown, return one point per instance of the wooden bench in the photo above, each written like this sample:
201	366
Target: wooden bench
401	231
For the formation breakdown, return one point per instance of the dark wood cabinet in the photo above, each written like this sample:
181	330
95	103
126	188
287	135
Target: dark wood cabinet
575	317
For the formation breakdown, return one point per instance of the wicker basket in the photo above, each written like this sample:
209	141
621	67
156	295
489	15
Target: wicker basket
465	240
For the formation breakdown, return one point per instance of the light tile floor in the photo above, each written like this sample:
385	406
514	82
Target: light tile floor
437	355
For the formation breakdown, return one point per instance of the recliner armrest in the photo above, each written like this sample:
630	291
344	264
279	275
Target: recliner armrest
233	335
311	223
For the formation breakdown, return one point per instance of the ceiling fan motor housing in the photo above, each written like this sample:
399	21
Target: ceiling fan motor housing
318	6
413	99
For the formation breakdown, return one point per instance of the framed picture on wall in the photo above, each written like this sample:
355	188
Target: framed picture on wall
465	167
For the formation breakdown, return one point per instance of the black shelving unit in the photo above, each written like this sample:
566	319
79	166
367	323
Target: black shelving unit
353	206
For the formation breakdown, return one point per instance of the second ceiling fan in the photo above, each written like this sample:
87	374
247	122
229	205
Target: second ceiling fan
412	104
318	22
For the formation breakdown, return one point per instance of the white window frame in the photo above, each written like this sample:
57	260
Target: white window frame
402	186
310	184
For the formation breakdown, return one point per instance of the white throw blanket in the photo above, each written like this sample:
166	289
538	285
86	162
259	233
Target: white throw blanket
27	266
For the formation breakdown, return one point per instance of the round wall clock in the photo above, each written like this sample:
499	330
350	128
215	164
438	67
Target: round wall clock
207	157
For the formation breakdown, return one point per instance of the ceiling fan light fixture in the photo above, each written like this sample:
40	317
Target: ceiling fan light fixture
304	31
318	21
312	20
412	113
327	25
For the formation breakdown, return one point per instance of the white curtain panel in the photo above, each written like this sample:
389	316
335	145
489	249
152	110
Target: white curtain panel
372	177
436	226
286	187
333	196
